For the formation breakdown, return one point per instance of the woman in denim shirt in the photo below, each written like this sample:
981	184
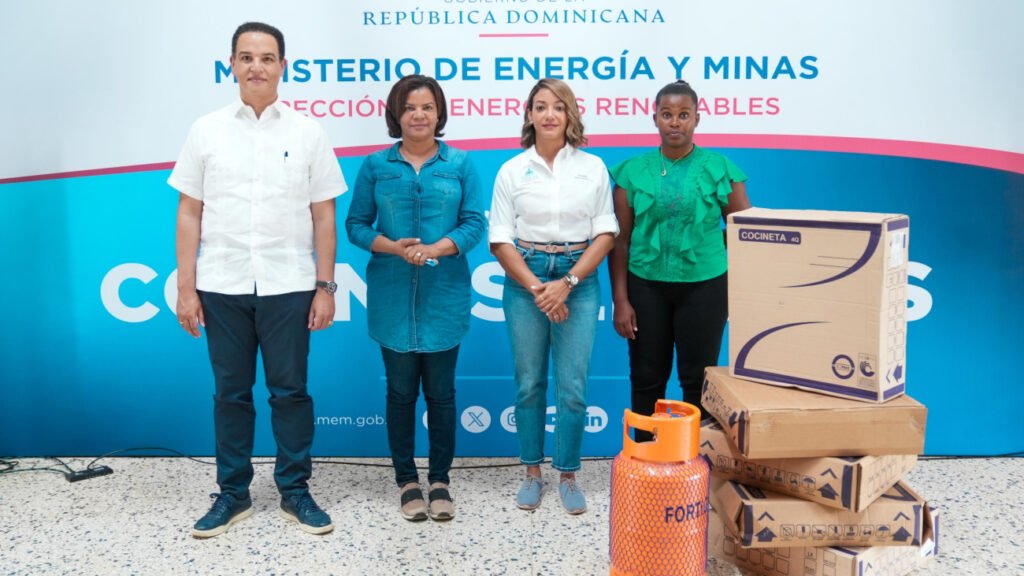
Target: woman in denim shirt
552	223
416	207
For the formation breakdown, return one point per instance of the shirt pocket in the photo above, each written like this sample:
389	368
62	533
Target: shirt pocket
396	200
391	189
443	189
222	172
290	173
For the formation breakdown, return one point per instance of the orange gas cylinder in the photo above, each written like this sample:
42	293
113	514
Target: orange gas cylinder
659	508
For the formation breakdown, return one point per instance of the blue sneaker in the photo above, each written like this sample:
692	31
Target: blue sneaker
225	513
573	499
530	492
304	511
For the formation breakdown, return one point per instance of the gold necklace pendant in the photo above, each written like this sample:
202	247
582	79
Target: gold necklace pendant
661	156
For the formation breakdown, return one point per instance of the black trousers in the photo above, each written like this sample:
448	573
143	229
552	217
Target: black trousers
237	327
685	318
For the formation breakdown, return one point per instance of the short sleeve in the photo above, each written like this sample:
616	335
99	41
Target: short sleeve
604	220
187	176
620	173
502	220
734	172
325	178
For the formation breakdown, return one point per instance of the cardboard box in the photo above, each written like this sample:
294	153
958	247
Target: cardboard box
817	300
762	519
830	561
771	422
849	483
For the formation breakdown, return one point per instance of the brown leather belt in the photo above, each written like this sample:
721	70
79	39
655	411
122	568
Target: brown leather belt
552	247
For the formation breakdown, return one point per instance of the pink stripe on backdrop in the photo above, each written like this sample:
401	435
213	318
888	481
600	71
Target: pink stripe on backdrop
983	157
93	172
538	35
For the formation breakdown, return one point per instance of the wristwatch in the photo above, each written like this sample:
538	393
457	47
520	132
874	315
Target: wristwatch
571	280
328	286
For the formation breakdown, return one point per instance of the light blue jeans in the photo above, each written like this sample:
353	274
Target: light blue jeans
569	344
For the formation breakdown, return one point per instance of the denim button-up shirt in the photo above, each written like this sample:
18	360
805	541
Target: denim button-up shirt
417	308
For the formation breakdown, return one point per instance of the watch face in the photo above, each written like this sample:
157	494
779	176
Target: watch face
329	287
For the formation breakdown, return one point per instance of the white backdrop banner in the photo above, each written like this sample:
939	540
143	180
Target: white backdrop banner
908	107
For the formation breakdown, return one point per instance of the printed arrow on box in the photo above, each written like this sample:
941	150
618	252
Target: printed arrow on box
898	373
888	375
732	419
901	516
901	535
765	535
900	494
761	517
828	492
707	444
829	472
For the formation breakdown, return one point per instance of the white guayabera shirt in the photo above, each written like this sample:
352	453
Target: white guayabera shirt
257	178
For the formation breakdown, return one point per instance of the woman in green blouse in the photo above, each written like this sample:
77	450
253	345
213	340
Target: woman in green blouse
668	267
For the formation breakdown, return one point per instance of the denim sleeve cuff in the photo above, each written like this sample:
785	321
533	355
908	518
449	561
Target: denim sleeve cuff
364	238
460	242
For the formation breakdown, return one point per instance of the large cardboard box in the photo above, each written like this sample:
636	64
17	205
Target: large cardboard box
849	483
762	519
824	561
817	300
772	422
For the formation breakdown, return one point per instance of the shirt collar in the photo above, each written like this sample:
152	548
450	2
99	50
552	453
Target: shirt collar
442	151
243	110
566	153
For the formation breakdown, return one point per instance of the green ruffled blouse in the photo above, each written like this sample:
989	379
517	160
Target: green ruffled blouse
677	235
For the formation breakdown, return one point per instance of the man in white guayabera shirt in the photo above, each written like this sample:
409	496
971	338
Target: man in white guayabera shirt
256	243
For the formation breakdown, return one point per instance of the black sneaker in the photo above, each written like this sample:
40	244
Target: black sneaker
225	512
304	511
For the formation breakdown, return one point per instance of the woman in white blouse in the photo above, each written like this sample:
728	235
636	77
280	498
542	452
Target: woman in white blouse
552	223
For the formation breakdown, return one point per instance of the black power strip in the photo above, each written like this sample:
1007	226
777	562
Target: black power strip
94	472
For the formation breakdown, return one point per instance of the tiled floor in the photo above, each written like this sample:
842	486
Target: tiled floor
137	521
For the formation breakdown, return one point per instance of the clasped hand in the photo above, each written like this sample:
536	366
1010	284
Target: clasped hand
416	253
550	299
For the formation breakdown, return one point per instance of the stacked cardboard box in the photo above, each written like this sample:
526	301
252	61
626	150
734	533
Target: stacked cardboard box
824	560
815	459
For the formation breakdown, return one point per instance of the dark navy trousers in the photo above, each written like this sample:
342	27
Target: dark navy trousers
237	328
405	372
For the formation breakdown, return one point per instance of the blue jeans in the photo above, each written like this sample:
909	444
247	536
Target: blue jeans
404	372
534	340
237	327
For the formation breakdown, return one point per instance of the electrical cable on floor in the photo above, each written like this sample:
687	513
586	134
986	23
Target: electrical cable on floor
10	466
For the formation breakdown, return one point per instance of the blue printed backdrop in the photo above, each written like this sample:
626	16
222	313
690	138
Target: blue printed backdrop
76	380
